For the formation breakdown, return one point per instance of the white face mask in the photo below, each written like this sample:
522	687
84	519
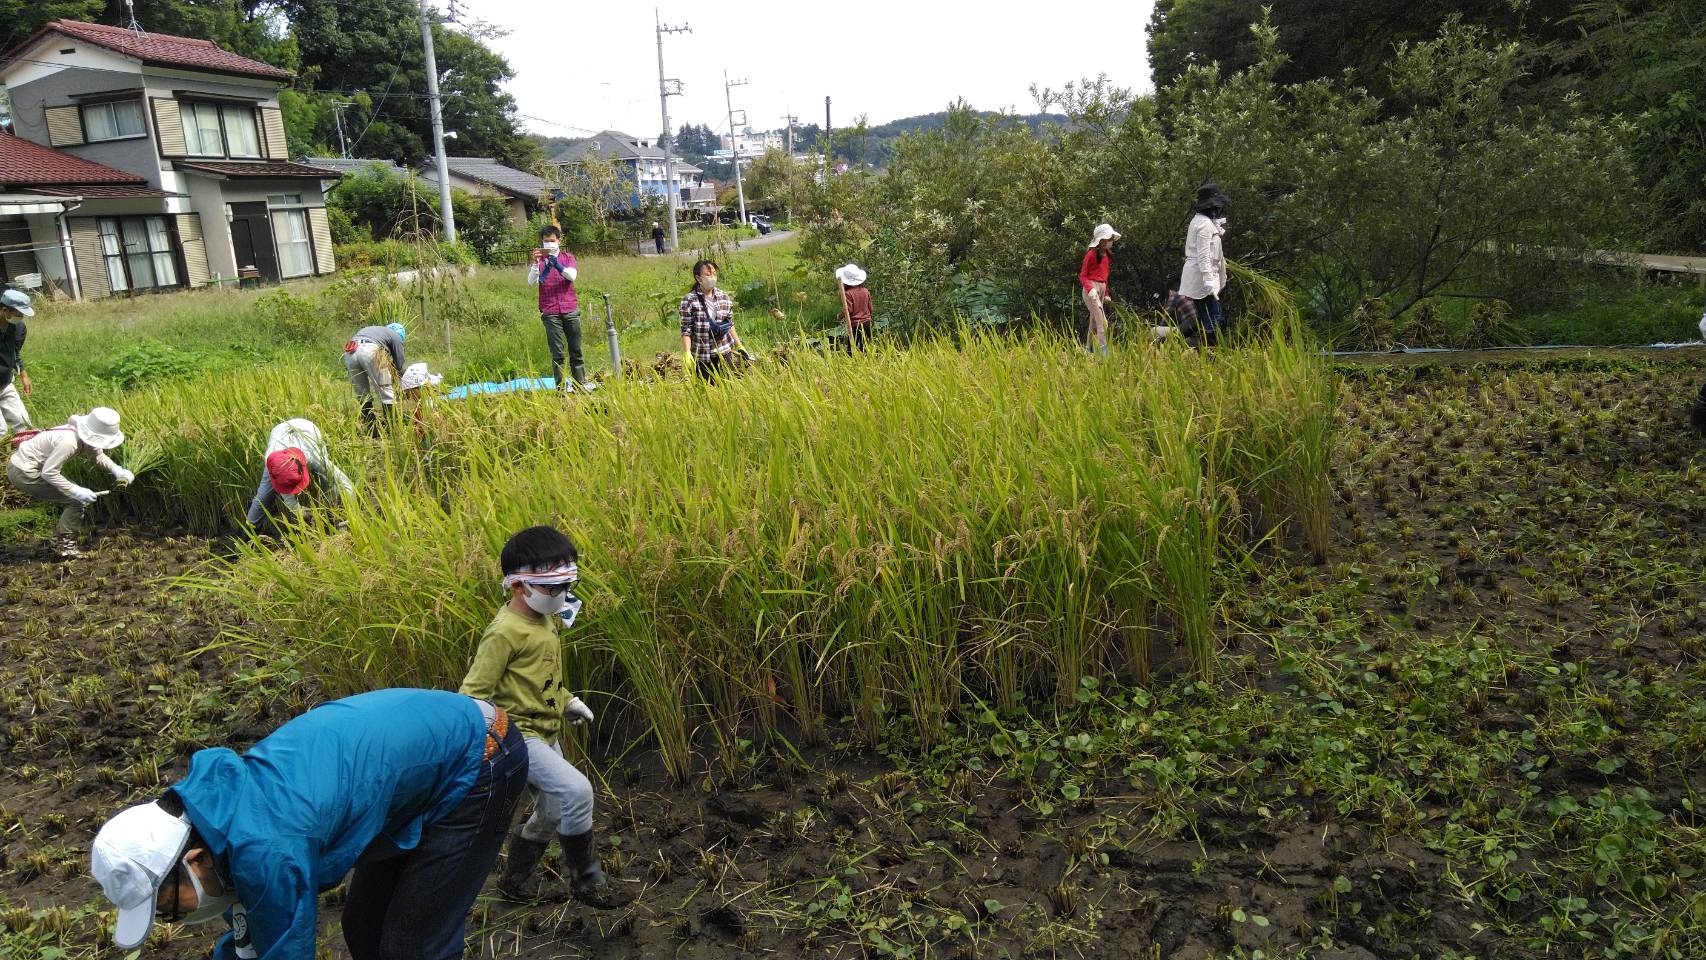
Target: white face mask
1220	222
542	602
207	907
708	282
551	246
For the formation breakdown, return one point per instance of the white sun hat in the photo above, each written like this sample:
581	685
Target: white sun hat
1102	232
418	375
850	275
132	856
98	428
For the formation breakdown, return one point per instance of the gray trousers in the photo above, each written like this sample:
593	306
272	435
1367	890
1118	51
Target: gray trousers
565	329
562	795
70	519
370	371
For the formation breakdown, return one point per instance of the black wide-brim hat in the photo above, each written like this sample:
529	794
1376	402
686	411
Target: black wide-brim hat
1210	197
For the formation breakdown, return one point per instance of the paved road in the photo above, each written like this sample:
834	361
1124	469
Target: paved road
776	236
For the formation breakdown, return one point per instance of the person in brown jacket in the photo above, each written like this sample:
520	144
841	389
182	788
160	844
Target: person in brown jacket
858	299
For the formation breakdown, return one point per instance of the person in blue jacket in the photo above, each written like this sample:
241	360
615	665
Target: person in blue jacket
413	789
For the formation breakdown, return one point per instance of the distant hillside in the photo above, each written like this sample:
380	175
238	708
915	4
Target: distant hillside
878	144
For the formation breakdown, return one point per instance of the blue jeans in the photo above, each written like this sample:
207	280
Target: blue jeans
413	904
1208	320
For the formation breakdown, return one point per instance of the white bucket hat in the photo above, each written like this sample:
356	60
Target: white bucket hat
18	300
1102	232
98	428
850	275
418	375
132	856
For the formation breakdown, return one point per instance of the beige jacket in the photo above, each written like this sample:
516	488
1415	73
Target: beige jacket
1204	275
42	456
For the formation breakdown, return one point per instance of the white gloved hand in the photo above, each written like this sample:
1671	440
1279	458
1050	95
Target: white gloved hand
1213	288
84	495
124	477
577	712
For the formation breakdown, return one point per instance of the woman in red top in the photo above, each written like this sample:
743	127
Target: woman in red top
1093	279
857	314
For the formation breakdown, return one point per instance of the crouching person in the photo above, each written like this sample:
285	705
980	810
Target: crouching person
519	666
413	789
373	358
36	468
295	455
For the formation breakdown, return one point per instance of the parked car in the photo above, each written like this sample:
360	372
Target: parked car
760	221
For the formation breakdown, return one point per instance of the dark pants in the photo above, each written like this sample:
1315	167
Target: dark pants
712	369
561	328
1208	321
413	904
659	242
861	335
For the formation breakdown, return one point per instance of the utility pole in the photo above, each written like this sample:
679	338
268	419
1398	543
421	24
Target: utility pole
734	138
789	120
828	142
444	209
665	91
338	120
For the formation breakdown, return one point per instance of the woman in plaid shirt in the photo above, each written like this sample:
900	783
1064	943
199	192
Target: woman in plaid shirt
708	334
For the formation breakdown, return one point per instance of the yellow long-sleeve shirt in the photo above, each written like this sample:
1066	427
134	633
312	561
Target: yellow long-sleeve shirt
519	666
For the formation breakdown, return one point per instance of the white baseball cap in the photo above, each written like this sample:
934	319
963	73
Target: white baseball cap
132	856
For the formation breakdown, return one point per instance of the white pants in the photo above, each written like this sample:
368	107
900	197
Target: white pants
369	366
562	795
12	412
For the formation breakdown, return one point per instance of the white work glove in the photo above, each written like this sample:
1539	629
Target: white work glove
577	712
1213	287
84	495
124	477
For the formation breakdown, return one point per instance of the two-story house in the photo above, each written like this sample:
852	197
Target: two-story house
641	161
201	127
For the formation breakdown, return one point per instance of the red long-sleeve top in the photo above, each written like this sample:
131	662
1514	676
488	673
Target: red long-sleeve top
1094	270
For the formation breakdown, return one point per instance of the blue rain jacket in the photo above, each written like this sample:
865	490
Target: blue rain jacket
290	817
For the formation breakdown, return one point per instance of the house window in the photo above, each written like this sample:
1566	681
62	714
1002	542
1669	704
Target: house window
290	233
219	130
138	253
112	121
241	137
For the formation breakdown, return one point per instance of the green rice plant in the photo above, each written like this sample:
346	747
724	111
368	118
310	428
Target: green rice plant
873	536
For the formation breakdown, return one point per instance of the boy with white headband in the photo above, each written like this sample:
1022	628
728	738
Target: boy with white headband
519	666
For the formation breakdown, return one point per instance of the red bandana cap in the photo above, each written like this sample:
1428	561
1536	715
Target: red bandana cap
288	470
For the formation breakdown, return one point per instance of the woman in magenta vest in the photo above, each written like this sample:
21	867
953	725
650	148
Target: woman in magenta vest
553	271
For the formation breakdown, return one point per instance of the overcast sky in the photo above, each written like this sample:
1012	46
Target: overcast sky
593	66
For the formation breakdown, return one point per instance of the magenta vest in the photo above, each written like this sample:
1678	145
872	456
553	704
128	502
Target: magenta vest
556	293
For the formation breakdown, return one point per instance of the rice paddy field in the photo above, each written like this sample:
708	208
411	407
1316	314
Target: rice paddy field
978	648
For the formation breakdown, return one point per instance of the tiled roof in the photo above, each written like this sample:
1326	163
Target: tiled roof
23	163
258	168
354	164
517	183
160	48
104	191
619	146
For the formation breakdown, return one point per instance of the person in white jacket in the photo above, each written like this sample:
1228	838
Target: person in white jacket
1204	276
295	455
36	469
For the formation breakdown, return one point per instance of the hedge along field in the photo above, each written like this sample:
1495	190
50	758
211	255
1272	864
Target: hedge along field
882	536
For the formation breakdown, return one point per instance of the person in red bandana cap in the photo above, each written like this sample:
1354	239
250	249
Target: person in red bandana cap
295	457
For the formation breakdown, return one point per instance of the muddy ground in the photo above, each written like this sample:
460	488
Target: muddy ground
1541	516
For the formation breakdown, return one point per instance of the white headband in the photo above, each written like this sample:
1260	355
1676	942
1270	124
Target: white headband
547	577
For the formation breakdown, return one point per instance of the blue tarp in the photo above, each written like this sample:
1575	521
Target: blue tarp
508	386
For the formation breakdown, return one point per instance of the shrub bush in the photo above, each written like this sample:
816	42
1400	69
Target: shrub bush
153	361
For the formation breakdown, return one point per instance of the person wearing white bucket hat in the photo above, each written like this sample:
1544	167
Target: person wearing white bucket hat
1093	282
36	468
14	307
856	304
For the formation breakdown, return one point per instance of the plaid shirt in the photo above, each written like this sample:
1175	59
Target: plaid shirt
696	323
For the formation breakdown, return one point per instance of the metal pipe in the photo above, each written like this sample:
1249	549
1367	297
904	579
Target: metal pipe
610	334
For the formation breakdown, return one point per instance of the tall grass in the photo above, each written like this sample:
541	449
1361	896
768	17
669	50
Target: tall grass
873	536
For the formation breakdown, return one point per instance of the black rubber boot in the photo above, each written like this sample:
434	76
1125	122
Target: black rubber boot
368	420
518	884
578	371
586	878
